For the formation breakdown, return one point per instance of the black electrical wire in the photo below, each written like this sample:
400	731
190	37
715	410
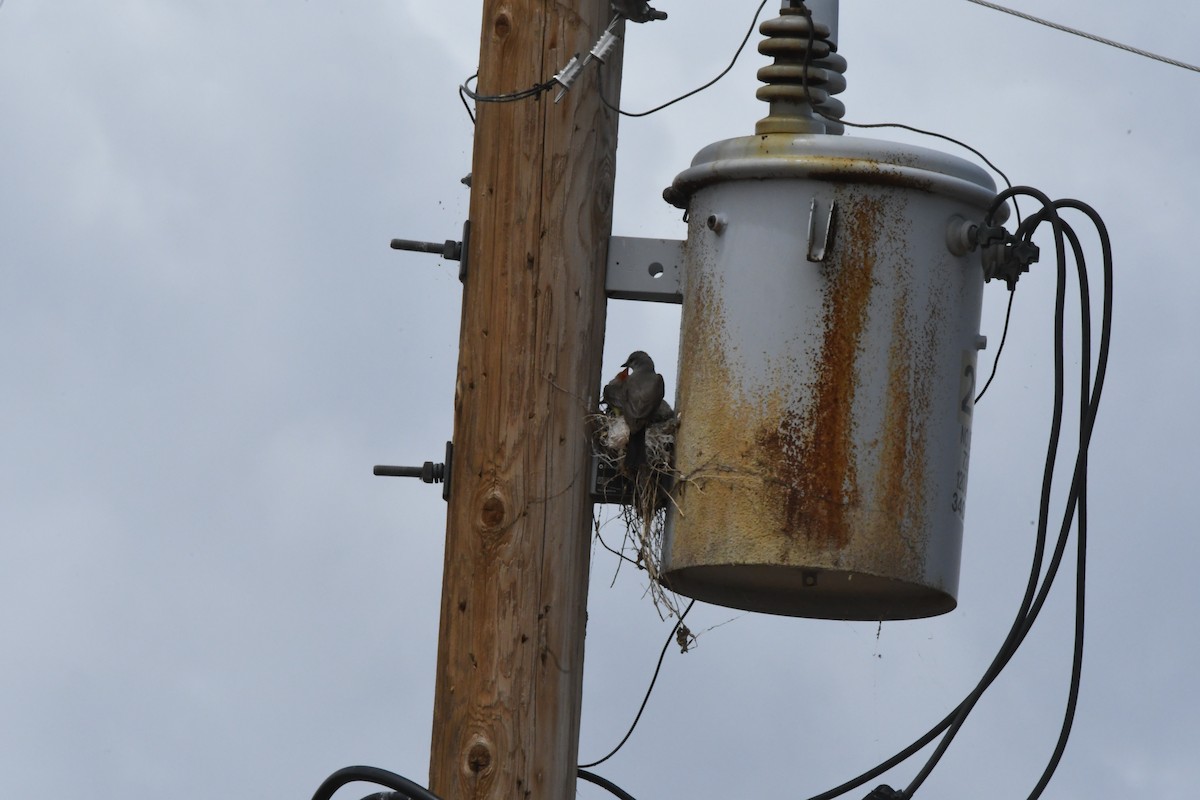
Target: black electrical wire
1003	338
923	132
1090	395
397	783
1029	610
591	777
1023	618
1036	596
510	97
953	721
812	34
1089	404
1081	534
1087	423
404	789
649	689
464	91
462	95
737	54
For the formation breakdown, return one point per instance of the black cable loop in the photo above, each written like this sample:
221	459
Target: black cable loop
510	97
737	54
1079	483
382	777
1036	594
1023	619
1076	500
592	777
649	689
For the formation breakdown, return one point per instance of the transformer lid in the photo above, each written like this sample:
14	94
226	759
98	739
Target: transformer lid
833	159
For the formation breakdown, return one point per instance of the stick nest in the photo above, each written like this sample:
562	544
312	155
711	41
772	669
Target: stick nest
643	496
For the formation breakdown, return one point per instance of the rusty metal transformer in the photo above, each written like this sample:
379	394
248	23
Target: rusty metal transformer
827	374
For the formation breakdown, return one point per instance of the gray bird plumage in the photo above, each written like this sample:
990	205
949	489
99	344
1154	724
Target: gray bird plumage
643	395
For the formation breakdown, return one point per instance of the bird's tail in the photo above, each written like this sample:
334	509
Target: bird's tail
635	451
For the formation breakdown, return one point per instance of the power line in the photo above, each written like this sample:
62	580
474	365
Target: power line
737	54
646	699
1086	35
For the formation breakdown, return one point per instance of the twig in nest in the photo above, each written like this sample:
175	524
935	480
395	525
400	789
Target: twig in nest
645	495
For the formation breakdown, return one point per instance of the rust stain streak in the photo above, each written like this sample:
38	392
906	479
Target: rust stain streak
817	457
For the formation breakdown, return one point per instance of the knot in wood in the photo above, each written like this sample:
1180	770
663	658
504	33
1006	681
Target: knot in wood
502	25
479	758
493	512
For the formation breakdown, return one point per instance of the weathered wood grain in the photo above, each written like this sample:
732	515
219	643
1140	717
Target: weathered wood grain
510	654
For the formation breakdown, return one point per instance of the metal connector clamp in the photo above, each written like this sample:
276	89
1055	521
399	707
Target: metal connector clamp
1004	256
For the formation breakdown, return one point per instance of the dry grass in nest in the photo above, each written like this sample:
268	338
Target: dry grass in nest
644	497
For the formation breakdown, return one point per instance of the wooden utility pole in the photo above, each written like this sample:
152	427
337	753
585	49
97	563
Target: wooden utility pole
514	595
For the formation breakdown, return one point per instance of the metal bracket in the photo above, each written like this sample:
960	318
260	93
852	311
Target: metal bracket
817	253
610	486
429	472
644	269
607	485
449	249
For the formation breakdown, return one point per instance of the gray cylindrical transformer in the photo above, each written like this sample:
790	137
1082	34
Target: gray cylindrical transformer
826	377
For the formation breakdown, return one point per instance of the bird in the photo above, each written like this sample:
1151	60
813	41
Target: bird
644	392
613	395
615	433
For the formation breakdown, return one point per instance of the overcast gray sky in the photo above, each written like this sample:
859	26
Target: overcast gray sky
205	344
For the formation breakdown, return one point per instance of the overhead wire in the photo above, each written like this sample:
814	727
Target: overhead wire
462	95
1012	293
1034	601
736	55
604	783
464	91
812	33
1084	34
1081	533
1034	598
509	97
1027	612
407	789
649	689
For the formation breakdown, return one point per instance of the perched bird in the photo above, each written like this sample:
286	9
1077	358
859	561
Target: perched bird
644	391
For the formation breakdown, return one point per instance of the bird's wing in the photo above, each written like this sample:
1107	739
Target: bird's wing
643	393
